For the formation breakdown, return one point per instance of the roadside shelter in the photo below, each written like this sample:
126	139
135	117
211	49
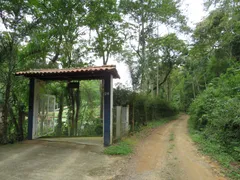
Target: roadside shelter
105	73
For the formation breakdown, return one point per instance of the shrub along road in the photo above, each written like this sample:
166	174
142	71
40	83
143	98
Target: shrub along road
169	154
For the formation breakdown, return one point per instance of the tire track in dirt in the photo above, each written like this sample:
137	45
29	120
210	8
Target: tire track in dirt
40	160
17	155
169	154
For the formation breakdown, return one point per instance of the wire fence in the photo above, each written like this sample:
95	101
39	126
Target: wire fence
45	116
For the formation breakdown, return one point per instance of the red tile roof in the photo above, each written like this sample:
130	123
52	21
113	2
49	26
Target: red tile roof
94	71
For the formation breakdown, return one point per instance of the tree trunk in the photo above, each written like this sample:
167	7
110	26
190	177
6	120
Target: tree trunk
168	90
193	88
157	80
101	99
4	126
205	81
43	114
142	39
59	125
14	121
18	124
70	115
77	111
73	112
133	123
21	118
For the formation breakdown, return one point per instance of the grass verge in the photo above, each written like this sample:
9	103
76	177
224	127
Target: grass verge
126	146
231	167
157	123
171	138
123	147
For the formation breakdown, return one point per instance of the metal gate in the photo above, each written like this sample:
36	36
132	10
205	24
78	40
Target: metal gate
46	115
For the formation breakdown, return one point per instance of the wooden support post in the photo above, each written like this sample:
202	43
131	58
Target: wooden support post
108	106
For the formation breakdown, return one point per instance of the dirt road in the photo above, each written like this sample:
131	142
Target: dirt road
169	154
166	154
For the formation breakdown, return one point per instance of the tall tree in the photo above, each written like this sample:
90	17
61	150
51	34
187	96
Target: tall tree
166	53
144	18
103	20
17	27
37	34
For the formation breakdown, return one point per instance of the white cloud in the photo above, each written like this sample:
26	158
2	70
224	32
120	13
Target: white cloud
194	10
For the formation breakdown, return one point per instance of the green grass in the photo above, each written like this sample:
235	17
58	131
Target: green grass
124	147
127	145
217	152
171	138
171	147
157	123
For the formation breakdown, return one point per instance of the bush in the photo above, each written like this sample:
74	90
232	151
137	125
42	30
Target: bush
99	130
92	128
143	107
216	112
122	148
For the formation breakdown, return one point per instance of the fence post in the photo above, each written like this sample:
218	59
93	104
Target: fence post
118	122
127	118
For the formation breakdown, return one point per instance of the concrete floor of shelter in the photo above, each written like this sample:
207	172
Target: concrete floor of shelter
77	140
57	159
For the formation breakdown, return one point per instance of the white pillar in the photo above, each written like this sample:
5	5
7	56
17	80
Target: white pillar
118	122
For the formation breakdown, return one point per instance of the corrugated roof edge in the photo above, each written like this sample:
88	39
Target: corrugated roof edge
70	70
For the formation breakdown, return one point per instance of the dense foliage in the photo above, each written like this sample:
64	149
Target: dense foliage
143	108
216	114
209	83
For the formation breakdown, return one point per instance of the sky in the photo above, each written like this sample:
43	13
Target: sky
193	10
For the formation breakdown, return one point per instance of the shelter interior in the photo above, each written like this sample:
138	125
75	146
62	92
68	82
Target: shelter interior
42	106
